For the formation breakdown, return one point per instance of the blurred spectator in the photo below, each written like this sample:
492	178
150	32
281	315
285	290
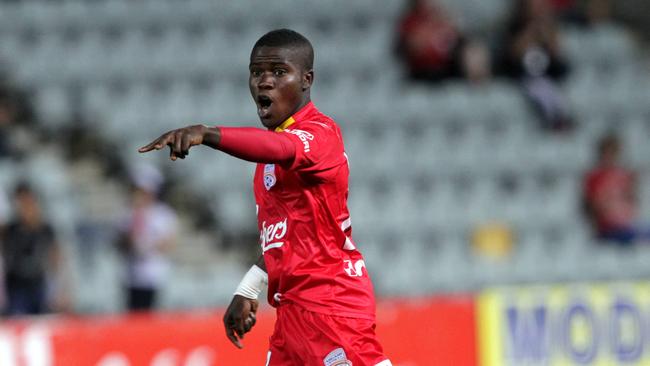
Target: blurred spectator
597	12
6	119
561	6
434	49
4	209
586	13
148	233
16	112
566	10
610	196
32	258
4	216
531	54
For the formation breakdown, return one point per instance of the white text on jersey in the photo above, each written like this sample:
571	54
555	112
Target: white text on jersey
304	136
271	236
354	270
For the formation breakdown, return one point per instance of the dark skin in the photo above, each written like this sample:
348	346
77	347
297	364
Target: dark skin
240	316
280	82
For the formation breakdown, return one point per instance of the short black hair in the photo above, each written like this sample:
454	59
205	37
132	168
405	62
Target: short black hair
23	188
287	38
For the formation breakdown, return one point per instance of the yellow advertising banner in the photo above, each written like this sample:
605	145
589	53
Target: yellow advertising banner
572	324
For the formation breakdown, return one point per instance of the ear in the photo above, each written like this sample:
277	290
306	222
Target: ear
307	79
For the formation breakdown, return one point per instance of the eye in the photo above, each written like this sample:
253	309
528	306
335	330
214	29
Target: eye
279	72
256	73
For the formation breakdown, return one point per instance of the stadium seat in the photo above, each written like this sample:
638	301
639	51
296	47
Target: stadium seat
54	105
428	163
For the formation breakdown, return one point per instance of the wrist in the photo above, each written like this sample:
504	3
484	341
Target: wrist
254	281
211	136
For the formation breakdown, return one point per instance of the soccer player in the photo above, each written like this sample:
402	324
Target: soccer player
315	275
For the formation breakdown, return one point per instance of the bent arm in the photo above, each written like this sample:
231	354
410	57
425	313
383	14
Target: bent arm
254	281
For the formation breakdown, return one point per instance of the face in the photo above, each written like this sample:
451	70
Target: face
142	197
539	9
610	153
27	207
278	84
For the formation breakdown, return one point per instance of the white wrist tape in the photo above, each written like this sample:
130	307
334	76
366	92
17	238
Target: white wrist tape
254	281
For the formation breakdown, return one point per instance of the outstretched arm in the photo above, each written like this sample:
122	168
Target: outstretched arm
252	144
240	316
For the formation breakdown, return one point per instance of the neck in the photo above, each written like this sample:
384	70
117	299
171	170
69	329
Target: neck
305	100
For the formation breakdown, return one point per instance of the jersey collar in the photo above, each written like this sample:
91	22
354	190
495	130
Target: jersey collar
296	117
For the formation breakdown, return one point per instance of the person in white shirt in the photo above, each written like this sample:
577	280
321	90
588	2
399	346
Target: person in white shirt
148	233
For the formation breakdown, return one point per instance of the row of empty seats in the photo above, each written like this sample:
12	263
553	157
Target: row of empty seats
428	164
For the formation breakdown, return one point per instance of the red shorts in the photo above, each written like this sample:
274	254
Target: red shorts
305	338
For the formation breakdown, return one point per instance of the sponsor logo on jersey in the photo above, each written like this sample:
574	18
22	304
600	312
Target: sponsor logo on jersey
337	358
354	269
304	136
269	176
271	236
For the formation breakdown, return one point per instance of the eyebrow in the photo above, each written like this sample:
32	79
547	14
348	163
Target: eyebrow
272	63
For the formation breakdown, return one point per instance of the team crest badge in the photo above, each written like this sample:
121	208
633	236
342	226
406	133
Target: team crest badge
337	358
269	176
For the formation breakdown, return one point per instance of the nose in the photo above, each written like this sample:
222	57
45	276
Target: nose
265	81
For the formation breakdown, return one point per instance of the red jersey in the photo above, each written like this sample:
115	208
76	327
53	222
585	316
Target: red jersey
611	193
304	223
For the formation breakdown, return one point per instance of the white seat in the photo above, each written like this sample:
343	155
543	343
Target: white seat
130	110
53	104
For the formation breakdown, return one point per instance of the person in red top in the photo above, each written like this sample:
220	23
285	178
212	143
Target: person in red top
316	277
433	48
610	196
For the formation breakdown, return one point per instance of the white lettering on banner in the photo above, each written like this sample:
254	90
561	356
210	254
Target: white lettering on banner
202	356
7	346
304	136
32	346
271	236
36	346
114	359
168	357
354	270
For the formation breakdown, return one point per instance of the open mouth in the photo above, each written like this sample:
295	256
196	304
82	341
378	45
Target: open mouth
264	103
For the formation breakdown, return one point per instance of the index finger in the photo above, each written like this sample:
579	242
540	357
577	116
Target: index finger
156	144
230	333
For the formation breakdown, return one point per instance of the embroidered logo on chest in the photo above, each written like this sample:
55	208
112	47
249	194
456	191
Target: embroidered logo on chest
269	176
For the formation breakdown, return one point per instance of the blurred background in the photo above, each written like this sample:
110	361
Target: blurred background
493	142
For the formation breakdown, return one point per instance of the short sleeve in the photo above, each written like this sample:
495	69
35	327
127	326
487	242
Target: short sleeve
318	147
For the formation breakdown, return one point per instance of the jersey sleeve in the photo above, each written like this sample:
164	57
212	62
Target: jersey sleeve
319	147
